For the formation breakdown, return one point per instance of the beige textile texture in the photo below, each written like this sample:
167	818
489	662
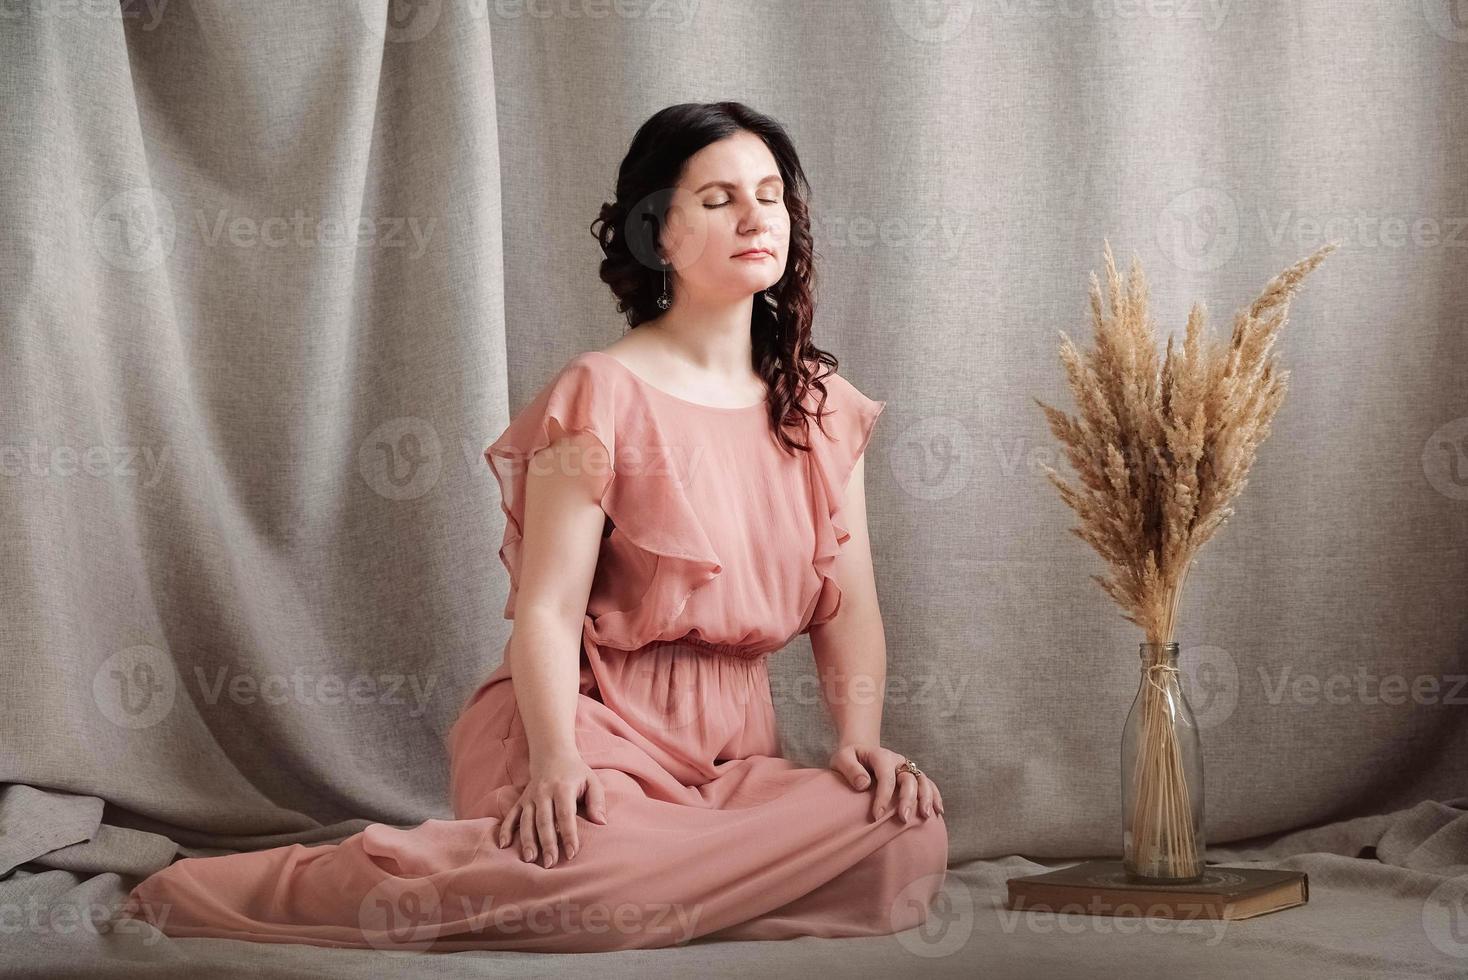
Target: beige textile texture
273	274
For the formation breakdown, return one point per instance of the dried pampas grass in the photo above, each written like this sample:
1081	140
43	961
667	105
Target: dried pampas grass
1162	452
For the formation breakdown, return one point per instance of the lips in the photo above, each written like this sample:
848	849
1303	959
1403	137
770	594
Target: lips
754	252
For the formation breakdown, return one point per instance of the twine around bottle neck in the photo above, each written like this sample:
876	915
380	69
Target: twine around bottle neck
1169	651
1150	671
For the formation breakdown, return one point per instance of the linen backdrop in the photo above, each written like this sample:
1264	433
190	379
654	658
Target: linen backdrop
272	275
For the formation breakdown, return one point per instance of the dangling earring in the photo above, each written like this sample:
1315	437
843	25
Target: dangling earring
665	300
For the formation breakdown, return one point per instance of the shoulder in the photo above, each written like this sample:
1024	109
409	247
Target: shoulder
581	395
841	395
591	378
587	364
848	414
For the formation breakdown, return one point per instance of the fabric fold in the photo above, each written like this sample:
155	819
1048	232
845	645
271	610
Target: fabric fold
36	821
831	462
643	499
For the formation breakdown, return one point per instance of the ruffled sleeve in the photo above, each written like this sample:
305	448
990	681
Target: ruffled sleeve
656	538
833	456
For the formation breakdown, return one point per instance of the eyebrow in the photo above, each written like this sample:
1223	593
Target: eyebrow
725	183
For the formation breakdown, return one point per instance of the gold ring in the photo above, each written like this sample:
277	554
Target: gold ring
909	766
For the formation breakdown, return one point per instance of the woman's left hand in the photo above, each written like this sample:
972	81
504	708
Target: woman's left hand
909	795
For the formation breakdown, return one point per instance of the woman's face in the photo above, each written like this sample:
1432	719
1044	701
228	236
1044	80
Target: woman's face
729	201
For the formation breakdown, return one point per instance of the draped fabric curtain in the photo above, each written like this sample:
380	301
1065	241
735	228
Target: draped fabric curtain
272	275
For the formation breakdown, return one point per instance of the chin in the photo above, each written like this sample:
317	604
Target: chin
749	285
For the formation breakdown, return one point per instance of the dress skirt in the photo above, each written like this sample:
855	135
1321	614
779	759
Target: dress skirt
709	834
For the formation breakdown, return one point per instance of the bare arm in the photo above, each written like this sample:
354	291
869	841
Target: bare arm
561	539
851	655
851	649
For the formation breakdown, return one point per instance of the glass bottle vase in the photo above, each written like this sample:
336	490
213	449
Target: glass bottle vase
1162	776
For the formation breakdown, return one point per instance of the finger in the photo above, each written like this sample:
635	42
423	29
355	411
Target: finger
854	771
527	830
906	795
507	827
566	820
886	790
596	799
545	824
925	796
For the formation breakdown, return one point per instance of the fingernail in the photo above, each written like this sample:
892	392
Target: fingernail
861	782
528	855
570	853
906	814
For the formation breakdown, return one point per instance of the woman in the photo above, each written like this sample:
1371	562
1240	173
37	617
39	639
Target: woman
668	513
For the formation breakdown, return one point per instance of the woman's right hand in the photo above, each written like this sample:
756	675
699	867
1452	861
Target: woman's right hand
548	804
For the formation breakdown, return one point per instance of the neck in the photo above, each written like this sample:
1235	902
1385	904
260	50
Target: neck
714	336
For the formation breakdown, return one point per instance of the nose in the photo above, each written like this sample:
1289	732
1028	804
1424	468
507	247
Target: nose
753	220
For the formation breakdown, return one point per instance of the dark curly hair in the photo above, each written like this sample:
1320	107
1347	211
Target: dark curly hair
630	228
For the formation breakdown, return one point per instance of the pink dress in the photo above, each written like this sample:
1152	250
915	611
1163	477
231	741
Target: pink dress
717	550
